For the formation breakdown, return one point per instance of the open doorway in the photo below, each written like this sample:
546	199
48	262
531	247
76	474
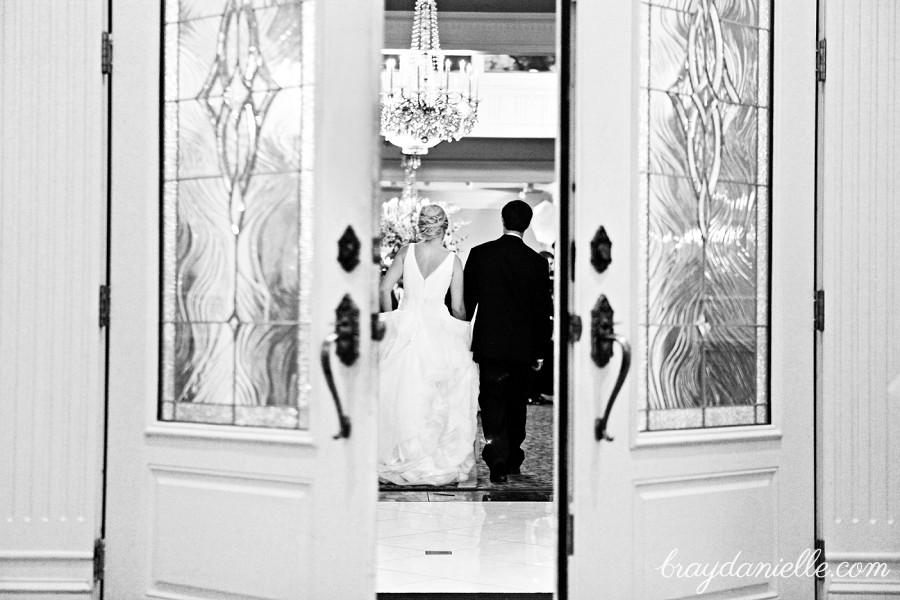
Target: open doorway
474	532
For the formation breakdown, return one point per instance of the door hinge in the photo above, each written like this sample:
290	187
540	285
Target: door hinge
106	56
572	261
820	559
99	558
575	328
820	310
820	59
104	306
570	535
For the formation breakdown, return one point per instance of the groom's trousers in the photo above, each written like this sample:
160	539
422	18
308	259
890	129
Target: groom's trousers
503	399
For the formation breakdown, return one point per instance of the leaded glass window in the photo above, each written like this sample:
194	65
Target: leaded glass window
704	190
237	105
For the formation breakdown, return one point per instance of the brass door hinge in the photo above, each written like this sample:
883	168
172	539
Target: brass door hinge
820	559
106	54
820	310
104	306
820	59
99	558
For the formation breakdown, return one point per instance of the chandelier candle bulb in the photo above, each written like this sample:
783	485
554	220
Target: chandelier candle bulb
390	68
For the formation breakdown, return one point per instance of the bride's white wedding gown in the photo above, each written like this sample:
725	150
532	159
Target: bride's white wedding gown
428	395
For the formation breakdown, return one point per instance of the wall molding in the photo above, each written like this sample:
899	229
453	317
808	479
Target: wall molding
868	585
47	585
860	358
491	33
53	243
53	572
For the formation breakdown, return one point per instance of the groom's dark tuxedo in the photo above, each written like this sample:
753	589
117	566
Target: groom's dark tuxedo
509	285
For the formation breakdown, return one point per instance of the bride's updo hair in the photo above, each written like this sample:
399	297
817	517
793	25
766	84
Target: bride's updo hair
433	222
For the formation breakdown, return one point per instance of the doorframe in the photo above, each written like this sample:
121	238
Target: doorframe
104	459
563	278
818	278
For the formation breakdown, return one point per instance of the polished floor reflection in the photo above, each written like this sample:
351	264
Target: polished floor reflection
466	547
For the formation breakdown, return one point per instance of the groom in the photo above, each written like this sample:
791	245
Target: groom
509	284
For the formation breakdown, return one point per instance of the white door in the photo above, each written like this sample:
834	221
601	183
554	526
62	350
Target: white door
231	187
711	282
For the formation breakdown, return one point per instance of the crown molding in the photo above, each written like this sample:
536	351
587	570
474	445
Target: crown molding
490	33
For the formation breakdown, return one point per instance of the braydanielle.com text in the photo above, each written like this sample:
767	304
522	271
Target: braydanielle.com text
807	565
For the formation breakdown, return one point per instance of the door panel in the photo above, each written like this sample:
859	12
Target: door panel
725	464
52	264
860	357
226	479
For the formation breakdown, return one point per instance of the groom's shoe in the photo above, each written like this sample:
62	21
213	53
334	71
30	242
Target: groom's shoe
498	473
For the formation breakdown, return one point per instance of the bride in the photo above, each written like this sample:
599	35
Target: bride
428	394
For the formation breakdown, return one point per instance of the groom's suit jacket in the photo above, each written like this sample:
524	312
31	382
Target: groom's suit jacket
509	284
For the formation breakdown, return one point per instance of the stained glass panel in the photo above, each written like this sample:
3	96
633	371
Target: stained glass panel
235	208
704	77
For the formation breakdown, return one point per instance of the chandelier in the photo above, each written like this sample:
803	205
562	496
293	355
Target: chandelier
419	107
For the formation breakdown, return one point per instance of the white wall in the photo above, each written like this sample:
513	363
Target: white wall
484	225
861	342
517	105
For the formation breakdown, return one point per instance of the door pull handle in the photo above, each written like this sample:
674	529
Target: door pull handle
601	423
343	419
602	339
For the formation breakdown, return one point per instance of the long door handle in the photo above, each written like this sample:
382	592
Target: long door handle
601	423
344	420
603	337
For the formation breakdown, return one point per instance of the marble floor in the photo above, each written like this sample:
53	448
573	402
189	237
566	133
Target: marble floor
501	547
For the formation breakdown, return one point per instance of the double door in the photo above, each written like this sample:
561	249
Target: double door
242	246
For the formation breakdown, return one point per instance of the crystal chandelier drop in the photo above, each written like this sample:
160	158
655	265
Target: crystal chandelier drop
419	108
410	192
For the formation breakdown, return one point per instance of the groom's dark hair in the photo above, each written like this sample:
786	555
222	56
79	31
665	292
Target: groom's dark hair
516	216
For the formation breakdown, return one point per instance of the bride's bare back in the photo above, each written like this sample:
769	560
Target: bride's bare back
428	255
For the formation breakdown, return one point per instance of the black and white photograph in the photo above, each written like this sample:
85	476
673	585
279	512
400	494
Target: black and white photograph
449	299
